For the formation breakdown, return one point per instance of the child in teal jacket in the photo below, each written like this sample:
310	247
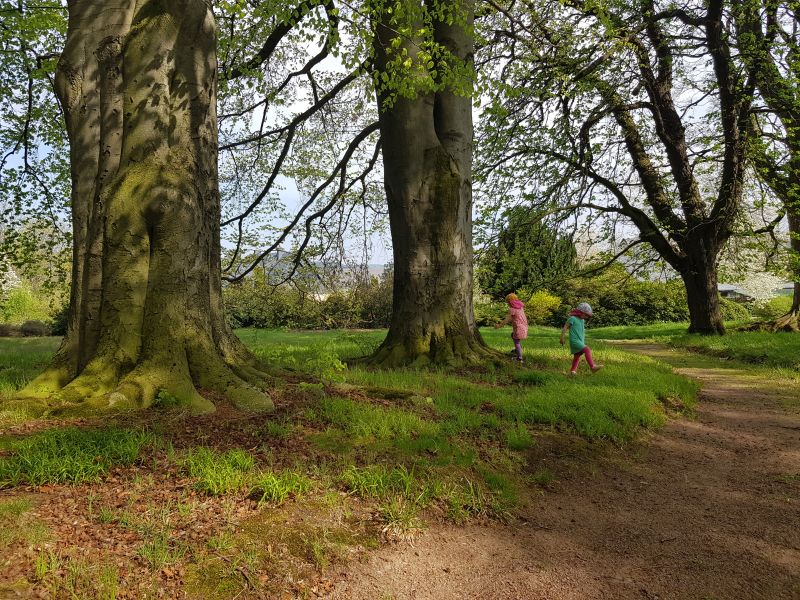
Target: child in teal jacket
577	342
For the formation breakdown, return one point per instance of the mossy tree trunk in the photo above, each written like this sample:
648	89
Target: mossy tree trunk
137	82
427	156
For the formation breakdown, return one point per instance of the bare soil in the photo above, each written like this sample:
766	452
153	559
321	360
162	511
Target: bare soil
707	508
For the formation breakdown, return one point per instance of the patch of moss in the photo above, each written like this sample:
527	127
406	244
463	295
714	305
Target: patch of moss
293	541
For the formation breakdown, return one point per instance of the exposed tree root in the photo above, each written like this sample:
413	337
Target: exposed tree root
62	370
454	351
789	323
103	386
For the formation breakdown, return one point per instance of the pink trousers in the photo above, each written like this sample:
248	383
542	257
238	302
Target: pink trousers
576	358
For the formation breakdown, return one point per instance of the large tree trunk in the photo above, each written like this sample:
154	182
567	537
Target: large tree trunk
702	295
137	81
791	320
427	156
794	235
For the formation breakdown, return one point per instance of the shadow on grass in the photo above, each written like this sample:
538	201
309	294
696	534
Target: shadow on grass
389	449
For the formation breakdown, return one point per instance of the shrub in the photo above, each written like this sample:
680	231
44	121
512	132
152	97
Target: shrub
60	321
22	304
540	306
34	329
620	299
7	330
733	311
489	313
252	303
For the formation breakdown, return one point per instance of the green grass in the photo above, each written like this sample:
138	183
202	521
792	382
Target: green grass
434	409
379	481
160	552
70	455
781	350
275	487
655	332
346	442
637	332
21	359
763	348
299	349
400	518
363	420
280	430
416	434
219	473
18	525
518	437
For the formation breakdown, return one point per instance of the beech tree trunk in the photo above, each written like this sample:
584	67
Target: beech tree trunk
137	82
794	233
791	320
702	295
427	156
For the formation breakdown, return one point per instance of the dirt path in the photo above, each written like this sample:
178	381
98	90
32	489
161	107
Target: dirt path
706	509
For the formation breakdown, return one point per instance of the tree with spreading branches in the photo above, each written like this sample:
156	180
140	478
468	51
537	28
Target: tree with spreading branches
637	112
768	38
32	163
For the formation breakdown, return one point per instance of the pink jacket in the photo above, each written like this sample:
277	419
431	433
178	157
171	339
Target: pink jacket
519	322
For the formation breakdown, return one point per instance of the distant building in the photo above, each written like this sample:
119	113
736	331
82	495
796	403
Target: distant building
735	293
738	293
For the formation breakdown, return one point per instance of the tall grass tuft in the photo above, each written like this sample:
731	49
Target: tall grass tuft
70	455
219	473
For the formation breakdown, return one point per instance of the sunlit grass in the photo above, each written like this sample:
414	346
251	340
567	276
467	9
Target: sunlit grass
219	473
347	441
458	432
21	359
70	455
780	350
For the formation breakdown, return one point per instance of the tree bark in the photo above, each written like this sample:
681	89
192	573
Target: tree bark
427	155
702	295
794	234
791	320
762	43
137	82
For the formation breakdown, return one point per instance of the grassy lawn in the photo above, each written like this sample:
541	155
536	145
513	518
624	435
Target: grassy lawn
235	503
769	349
657	331
779	350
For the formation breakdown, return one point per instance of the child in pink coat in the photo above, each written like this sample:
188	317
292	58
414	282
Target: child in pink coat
519	323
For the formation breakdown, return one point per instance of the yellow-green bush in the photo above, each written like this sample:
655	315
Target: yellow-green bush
540	306
23	304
